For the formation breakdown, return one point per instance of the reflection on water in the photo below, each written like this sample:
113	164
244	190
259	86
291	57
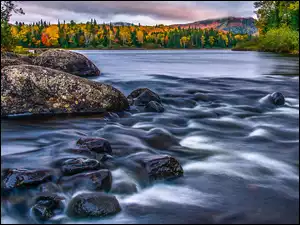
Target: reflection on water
239	153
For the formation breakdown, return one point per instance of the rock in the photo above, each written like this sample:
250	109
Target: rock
17	178
93	205
150	168
67	61
124	188
73	166
142	96
38	90
98	145
49	187
10	62
100	180
13	56
160	138
277	98
154	106
42	212
47	205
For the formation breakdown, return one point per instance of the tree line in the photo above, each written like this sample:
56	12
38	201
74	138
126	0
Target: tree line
278	26
93	35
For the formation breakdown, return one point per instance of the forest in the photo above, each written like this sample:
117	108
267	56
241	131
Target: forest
278	25
93	35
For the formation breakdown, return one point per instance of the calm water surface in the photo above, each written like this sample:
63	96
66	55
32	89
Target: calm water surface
240	155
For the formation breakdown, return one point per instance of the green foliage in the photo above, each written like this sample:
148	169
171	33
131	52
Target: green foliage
281	40
7	40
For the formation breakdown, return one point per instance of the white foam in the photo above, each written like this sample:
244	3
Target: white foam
260	132
173	194
143	125
199	142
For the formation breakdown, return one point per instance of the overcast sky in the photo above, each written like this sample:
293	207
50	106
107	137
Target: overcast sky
144	12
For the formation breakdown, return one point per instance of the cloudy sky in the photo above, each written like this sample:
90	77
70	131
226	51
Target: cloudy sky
144	12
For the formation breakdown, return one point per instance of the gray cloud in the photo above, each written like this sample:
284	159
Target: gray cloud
147	11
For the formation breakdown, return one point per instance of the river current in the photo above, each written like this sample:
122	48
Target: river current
240	155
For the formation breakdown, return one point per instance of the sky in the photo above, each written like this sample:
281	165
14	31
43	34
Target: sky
143	12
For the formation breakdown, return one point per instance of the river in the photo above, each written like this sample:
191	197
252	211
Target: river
240	157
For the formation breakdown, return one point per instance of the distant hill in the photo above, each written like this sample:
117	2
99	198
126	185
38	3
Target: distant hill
121	24
236	25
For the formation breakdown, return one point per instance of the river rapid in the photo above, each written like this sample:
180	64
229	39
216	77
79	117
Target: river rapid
239	153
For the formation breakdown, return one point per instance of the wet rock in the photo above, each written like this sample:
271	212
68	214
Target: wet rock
10	62
98	145
201	97
142	96
47	205
18	178
93	205
150	168
154	107
49	187
124	188
38	90
160	139
100	180
42	212
67	61
277	98
78	165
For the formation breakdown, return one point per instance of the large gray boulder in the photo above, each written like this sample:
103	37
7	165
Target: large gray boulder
68	61
39	90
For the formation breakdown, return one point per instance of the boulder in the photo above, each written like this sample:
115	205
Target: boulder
93	205
11	62
18	178
98	145
154	106
124	188
67	61
142	96
38	90
277	98
78	165
100	180
10	55
150	168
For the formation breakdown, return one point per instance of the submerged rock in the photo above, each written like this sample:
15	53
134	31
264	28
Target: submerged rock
17	178
98	145
49	187
142	96
100	180
124	188
37	90
93	205
67	61
150	168
78	165
154	107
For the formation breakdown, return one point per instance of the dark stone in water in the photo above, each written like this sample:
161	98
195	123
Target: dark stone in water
42	212
142	96
277	98
47	205
124	187
94	181
93	205
160	139
73	166
98	145
154	106
17	178
152	168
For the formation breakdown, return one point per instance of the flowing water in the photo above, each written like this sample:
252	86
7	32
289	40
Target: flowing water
239	153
